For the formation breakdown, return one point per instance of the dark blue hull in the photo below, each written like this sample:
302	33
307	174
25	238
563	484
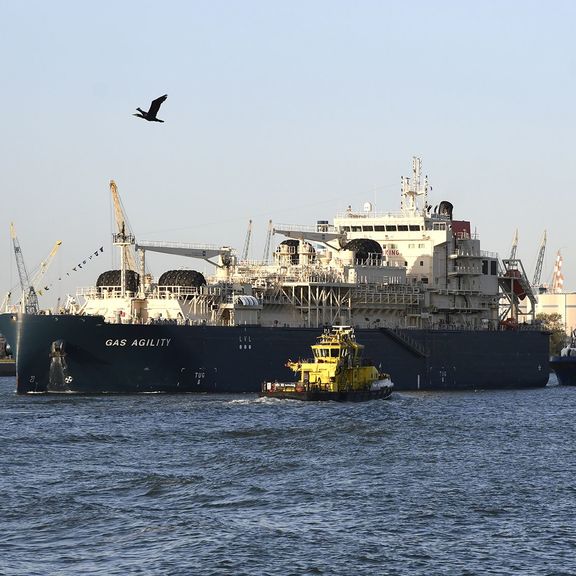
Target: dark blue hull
82	354
565	369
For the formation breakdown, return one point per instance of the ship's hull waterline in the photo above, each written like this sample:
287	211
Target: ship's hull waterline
84	354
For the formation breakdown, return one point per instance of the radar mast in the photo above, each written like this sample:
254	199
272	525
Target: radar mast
413	188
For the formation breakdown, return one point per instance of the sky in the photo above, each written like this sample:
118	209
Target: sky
283	110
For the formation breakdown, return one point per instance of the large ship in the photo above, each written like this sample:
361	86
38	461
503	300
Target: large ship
422	296
564	364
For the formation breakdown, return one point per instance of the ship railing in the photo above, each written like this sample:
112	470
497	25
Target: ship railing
102	292
461	292
466	253
372	215
488	325
474	270
187	245
460	253
170	292
306	228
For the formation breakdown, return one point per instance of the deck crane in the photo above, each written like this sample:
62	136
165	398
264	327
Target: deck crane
247	241
123	227
267	245
29	300
539	262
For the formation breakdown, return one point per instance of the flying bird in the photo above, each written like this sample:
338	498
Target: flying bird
153	110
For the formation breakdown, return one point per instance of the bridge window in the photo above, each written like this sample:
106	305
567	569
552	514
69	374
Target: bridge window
390	227
379	228
414	227
367	228
402	227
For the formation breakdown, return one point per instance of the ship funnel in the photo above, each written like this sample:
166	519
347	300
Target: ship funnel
445	209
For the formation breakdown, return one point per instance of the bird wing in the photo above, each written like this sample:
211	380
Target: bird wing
155	106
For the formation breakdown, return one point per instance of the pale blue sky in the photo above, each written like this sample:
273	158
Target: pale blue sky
282	110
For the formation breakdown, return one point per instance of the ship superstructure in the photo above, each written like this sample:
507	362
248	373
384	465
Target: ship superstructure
417	267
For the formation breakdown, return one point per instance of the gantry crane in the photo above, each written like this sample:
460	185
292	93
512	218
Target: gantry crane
29	300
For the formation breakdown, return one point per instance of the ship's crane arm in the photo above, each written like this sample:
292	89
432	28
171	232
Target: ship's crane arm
29	296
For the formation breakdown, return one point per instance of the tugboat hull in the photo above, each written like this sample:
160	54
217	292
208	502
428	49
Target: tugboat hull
321	395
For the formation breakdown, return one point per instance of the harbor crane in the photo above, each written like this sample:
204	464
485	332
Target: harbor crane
539	263
29	301
37	279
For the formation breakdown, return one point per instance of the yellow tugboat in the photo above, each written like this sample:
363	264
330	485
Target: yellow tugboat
336	372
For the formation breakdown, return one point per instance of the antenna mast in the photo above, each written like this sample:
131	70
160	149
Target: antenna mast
414	187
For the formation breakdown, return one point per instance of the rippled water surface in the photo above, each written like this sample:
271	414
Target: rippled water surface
451	483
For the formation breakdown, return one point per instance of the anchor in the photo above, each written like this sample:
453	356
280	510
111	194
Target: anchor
59	380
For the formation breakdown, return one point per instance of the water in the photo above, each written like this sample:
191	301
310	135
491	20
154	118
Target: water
451	483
